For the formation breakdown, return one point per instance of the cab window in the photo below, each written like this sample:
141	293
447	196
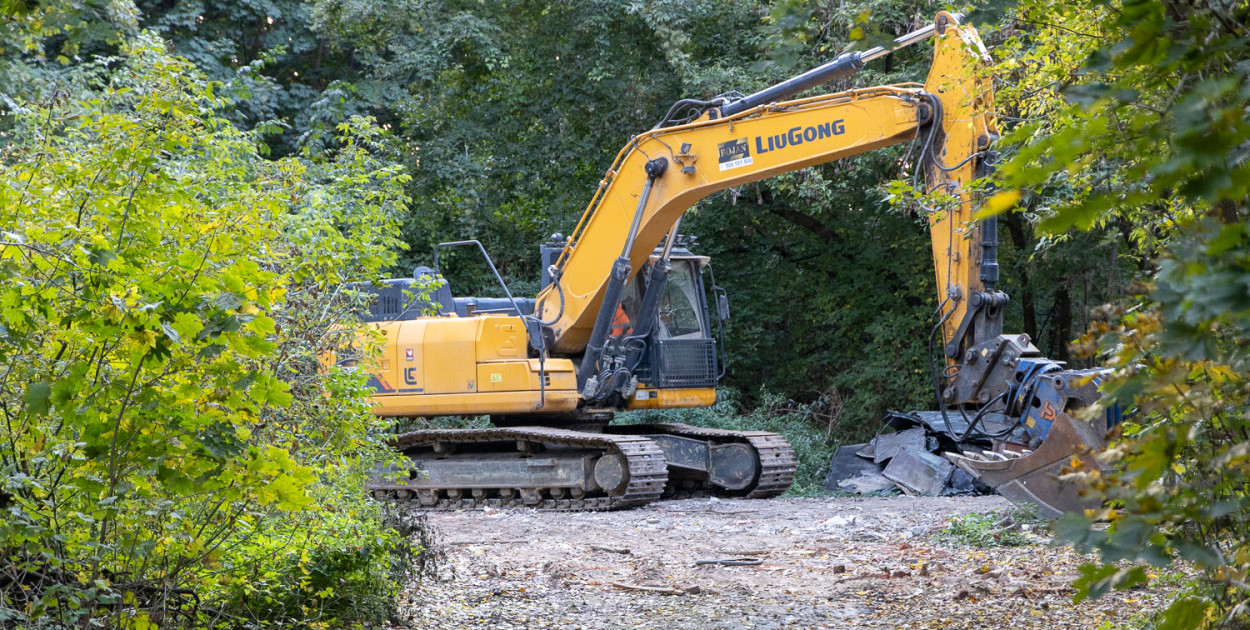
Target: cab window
679	306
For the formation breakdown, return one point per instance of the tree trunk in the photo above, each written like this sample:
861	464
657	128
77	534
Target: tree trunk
1020	239
1063	324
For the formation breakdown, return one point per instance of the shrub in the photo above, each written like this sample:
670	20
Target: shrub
991	529
171	451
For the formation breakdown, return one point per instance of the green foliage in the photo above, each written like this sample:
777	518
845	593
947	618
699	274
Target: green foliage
813	446
343	563
513	111
990	529
171	442
272	57
1145	126
59	30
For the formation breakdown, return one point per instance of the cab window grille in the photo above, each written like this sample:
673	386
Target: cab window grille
682	363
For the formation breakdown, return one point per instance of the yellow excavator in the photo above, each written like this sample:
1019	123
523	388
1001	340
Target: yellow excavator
622	321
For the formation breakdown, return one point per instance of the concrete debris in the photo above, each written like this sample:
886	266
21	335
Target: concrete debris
919	471
906	460
846	465
868	483
961	484
867	451
887	445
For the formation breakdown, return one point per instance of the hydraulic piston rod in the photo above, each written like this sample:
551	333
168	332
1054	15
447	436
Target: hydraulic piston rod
844	65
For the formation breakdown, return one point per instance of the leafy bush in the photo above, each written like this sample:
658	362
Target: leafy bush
1142	115
343	564
172	452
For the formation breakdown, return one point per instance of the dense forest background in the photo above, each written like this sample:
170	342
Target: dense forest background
506	115
166	442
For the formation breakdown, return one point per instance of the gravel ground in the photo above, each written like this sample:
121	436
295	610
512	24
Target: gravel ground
827	563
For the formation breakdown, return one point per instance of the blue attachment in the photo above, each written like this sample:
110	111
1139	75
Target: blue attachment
1037	403
1115	415
1030	387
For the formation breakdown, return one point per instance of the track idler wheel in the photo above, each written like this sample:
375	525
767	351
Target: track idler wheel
612	473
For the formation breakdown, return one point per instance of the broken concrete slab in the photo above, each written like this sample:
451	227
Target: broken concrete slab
919	471
846	464
867	483
867	451
960	483
887	445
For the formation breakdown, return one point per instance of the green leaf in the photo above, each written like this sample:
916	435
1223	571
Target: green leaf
1230	236
171	333
37	398
228	301
1097	580
1081	215
1075	527
1198	553
999	203
1186	613
185	326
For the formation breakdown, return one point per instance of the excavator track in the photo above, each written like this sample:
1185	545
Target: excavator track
645	473
774	457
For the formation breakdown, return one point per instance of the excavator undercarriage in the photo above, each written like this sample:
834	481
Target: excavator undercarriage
558	458
561	469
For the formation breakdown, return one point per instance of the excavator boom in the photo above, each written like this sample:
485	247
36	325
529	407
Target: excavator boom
757	137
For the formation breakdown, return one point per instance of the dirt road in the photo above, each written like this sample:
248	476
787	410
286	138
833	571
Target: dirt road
826	563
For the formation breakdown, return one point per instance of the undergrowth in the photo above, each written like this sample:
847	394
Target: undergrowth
813	445
992	529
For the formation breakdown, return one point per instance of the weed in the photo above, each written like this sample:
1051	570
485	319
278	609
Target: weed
992	529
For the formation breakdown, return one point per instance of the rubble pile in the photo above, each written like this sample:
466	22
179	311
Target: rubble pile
906	457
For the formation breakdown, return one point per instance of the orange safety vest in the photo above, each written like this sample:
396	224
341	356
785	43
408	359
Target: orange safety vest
620	323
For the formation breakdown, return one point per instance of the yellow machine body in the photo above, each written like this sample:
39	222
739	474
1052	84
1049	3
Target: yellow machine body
655	398
466	366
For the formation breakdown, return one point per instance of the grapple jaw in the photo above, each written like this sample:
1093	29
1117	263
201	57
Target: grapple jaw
1037	477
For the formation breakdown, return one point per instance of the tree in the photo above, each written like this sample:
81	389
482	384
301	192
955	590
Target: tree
1145	123
172	450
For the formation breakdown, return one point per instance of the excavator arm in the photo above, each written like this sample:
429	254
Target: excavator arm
663	172
984	374
690	162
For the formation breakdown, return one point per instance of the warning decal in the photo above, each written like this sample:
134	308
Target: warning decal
734	154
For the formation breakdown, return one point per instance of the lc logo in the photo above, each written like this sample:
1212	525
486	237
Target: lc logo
410	376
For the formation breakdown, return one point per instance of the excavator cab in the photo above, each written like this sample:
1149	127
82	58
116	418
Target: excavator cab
681	349
680	358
